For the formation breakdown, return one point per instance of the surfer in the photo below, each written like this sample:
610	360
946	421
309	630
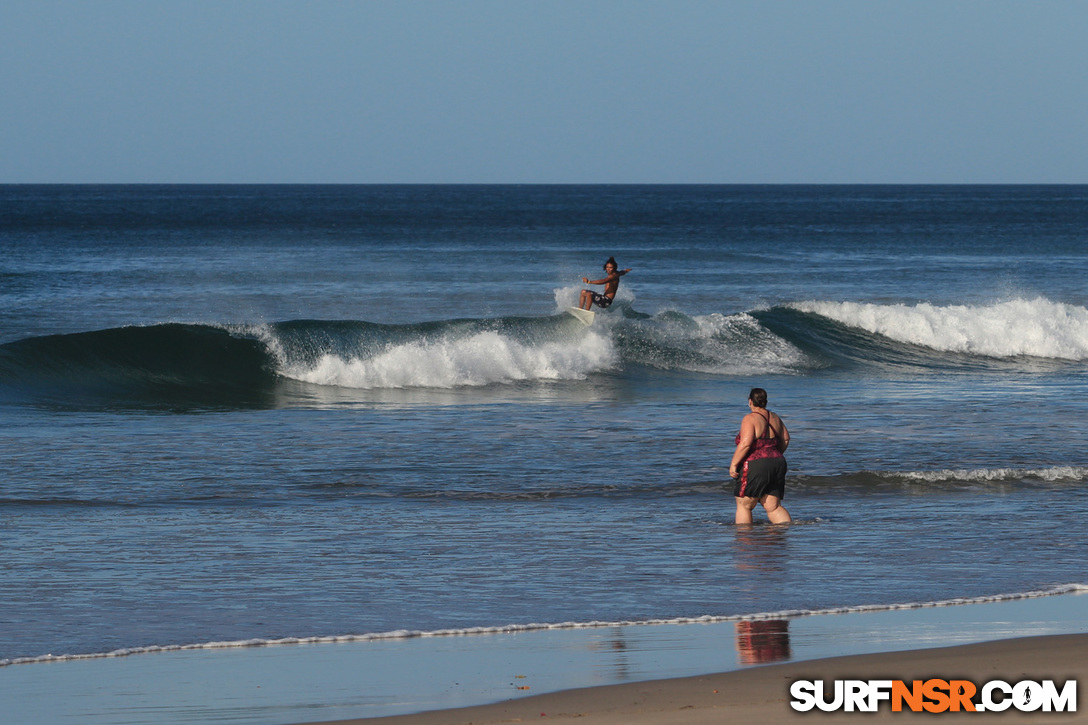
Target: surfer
611	284
758	464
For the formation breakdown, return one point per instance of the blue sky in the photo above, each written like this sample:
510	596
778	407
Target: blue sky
511	91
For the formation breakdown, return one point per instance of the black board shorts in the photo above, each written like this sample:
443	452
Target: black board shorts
600	300
762	477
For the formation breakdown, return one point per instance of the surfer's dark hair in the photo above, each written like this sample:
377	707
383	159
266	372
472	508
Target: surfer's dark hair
758	396
612	261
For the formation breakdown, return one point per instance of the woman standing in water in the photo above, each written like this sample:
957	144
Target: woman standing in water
758	464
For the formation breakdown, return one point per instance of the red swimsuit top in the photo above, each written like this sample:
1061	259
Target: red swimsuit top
765	446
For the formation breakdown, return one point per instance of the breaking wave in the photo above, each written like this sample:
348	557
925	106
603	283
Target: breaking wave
1036	328
233	365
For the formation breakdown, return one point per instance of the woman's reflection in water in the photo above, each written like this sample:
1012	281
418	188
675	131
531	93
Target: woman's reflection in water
760	641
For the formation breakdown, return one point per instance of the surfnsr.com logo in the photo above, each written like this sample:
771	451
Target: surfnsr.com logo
934	695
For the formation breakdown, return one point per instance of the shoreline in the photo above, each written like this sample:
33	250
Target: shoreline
1054	593
761	694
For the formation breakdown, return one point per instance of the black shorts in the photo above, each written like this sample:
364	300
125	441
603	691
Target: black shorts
762	477
600	300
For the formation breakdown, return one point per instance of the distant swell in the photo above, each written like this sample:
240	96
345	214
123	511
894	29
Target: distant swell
532	627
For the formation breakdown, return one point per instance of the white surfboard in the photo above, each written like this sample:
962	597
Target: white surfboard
584	316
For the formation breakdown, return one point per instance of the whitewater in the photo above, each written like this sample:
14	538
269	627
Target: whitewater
1035	327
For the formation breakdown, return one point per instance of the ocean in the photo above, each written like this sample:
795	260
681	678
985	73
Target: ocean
244	414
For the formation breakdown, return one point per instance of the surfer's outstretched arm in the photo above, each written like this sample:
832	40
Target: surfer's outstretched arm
611	284
606	280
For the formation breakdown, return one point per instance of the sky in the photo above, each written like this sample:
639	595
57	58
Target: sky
543	91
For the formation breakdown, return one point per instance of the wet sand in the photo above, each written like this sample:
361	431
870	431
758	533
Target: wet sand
761	694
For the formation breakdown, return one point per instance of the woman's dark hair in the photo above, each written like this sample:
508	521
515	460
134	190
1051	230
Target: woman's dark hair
612	261
758	396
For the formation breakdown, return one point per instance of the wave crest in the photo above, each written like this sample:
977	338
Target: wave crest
479	359
1035	328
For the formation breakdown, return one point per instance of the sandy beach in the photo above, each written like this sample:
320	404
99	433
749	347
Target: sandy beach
761	694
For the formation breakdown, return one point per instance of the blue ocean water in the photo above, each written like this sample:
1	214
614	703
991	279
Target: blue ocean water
234	414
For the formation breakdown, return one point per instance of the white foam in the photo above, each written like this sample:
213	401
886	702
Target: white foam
480	359
1053	474
534	627
744	345
1037	327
